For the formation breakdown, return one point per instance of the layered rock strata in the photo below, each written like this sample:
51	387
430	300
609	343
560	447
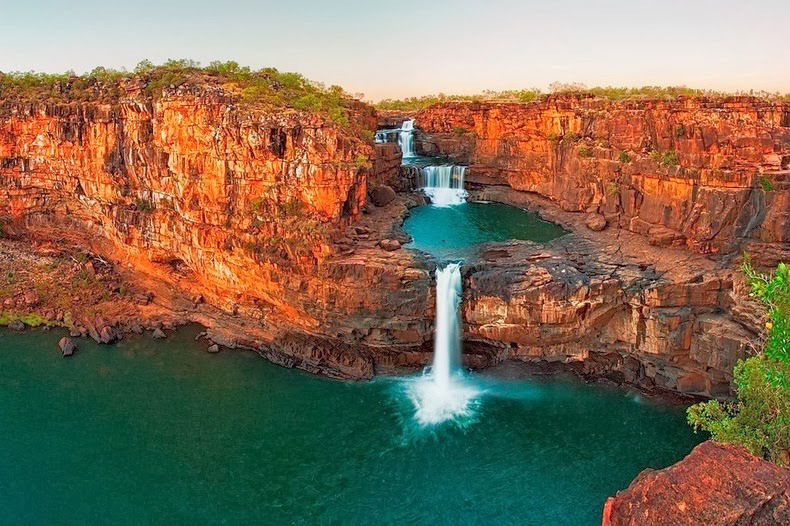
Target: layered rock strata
711	175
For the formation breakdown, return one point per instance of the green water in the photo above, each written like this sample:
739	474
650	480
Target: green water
151	431
452	231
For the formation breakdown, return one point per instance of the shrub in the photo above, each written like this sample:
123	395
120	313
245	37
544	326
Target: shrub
760	418
585	151
145	206
667	158
459	130
613	189
680	131
766	184
624	157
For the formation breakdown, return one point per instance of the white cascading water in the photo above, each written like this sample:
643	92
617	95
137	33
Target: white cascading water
406	138
442	393
444	185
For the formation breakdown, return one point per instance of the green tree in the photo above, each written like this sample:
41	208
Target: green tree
760	417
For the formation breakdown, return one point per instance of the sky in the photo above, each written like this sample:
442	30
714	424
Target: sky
395	49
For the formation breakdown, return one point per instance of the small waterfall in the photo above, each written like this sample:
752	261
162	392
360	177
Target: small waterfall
442	392
406	138
444	185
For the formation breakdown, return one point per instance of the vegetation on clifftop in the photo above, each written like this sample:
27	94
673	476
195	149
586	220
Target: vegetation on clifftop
760	418
529	95
267	86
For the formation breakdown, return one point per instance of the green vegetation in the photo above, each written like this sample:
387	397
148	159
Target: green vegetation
680	131
585	151
283	230
613	189
266	87
766	184
624	157
760	418
607	92
31	320
420	103
146	206
666	158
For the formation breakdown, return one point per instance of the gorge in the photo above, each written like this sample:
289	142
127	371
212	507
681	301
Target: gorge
570	234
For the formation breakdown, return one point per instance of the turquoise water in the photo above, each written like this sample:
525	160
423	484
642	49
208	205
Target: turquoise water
159	431
452	231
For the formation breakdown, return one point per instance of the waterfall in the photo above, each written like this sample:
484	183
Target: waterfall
444	185
442	392
447	342
406	138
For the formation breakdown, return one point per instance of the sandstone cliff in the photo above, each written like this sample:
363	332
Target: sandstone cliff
239	204
712	175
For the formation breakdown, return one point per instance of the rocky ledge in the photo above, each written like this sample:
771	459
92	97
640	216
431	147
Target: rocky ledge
715	485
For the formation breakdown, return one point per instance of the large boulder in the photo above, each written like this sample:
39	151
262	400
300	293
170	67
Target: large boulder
16	325
715	485
595	222
67	346
382	195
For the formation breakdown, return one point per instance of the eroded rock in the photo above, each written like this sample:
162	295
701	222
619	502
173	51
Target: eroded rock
715	485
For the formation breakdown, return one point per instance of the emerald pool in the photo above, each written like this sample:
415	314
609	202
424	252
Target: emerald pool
452	231
161	432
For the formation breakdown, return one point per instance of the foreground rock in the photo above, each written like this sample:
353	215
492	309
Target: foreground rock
715	485
67	346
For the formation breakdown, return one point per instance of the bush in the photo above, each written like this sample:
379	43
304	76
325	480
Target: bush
760	418
667	158
680	131
585	151
766	184
624	157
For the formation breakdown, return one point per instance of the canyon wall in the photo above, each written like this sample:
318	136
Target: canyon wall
241	205
660	197
712	175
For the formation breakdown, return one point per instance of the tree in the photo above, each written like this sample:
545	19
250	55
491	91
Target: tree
760	417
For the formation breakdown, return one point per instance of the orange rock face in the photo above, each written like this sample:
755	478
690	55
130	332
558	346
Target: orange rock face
242	202
686	172
715	485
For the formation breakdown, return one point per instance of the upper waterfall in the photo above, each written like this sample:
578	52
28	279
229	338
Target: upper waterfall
406	138
444	185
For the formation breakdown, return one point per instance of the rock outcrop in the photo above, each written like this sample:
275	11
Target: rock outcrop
711	175
715	485
242	205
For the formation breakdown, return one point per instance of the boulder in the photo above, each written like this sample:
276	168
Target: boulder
16	325
214	348
32	298
108	334
595	222
389	244
715	485
382	195
158	334
67	346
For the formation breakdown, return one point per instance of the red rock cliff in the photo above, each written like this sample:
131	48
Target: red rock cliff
244	201
684	172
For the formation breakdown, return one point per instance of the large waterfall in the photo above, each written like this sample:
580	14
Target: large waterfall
444	185
443	393
406	138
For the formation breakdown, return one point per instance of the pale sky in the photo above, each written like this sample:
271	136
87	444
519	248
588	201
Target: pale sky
390	48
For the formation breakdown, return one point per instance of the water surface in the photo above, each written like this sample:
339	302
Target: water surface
159	431
452	231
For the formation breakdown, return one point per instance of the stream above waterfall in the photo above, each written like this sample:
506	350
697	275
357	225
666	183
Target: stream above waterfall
160	431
